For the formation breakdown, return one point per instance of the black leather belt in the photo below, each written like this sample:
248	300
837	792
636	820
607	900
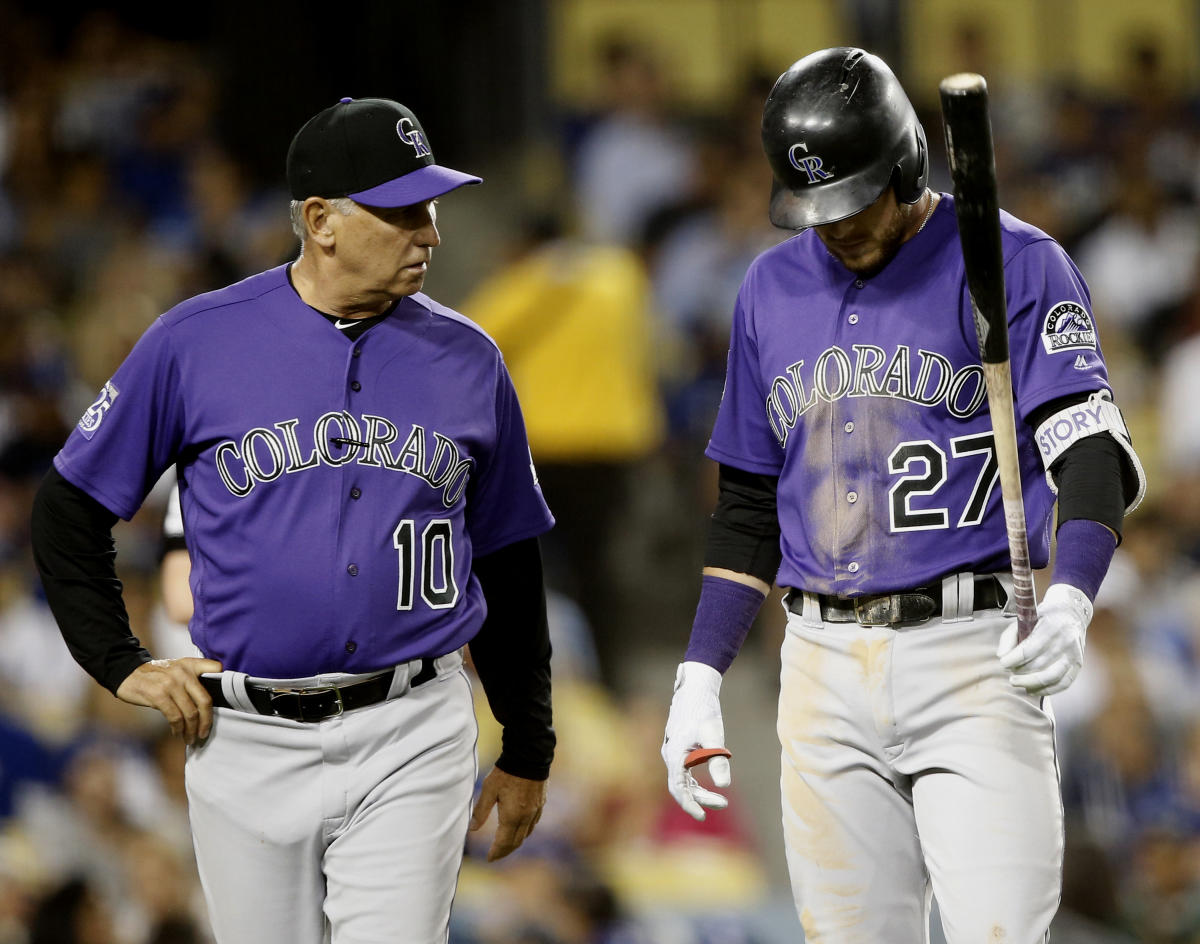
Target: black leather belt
319	703
905	606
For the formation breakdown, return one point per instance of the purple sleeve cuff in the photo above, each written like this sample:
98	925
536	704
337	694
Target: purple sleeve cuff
1085	549
723	618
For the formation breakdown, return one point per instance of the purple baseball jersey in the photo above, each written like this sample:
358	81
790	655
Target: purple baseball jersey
866	397
334	492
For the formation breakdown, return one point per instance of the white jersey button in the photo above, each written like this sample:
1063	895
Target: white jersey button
852	497
853	319
853	567
849	427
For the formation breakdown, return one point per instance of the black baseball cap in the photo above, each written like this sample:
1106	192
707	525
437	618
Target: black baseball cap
372	150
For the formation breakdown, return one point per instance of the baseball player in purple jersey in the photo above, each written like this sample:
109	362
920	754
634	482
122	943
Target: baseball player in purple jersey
857	470
360	507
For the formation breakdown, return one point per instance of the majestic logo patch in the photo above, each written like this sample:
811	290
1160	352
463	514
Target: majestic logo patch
811	165
93	416
1068	328
408	132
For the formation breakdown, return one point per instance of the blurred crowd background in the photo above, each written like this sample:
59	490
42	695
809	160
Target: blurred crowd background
141	161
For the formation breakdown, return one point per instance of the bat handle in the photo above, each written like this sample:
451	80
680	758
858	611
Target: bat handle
1026	602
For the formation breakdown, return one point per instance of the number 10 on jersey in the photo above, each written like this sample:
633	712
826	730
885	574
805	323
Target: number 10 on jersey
433	558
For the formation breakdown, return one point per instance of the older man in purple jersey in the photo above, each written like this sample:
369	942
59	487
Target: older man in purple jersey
858	470
360	506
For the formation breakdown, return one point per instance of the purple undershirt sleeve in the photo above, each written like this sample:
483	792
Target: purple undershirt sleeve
723	618
1085	550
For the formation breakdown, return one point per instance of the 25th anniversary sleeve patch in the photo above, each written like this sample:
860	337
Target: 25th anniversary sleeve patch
94	414
1068	327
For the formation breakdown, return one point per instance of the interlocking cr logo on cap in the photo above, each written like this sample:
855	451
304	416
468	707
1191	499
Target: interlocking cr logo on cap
410	133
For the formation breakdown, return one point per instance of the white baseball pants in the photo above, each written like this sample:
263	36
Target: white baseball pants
911	765
348	830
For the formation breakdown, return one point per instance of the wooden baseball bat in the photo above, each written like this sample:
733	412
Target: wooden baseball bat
973	169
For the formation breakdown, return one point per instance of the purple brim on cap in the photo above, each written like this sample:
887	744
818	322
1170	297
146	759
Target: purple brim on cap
422	184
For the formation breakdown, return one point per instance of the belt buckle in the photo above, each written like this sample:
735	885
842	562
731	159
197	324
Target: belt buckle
879	610
290	703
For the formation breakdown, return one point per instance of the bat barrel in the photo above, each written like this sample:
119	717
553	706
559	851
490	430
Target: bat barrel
972	167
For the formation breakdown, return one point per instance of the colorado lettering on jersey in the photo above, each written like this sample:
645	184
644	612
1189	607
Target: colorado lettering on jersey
338	438
871	373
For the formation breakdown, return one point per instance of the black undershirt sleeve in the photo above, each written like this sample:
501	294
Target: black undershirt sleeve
511	654
1088	476
1094	477
75	555
743	533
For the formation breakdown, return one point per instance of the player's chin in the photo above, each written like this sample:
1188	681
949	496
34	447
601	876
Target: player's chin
859	262
409	281
865	261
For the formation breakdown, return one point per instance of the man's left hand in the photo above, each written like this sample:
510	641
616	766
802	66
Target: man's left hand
1052	655
519	803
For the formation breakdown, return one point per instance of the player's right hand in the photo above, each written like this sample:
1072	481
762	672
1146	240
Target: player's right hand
695	721
172	686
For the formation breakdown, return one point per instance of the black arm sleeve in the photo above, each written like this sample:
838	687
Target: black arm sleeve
1094	477
743	534
1088	476
75	555
511	653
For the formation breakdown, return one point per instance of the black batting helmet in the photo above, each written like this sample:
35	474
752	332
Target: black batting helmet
838	129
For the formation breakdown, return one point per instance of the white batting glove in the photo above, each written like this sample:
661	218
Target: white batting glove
1052	655
695	721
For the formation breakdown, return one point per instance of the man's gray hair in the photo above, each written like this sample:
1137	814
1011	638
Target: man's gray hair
344	205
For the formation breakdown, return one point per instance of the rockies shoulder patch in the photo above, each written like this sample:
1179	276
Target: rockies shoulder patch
93	416
1068	327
